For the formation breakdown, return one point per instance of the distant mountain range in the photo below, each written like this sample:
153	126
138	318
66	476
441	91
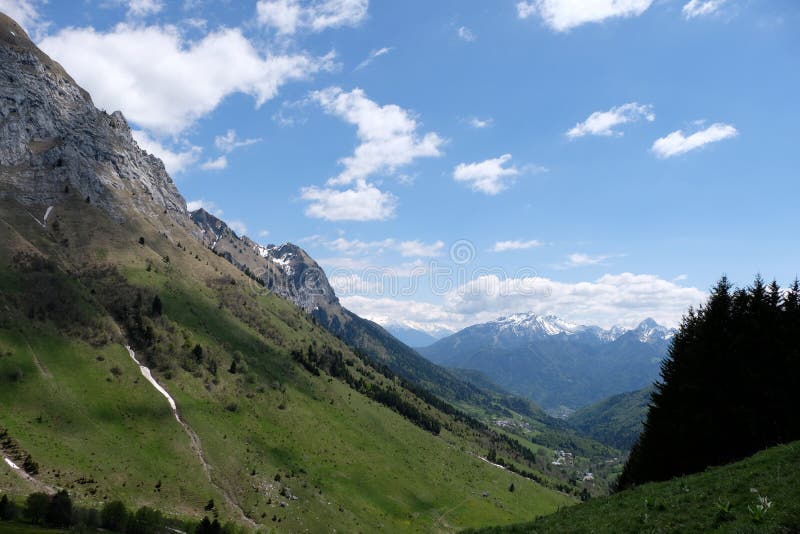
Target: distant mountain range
554	362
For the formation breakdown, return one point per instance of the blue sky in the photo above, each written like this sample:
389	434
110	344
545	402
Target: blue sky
605	161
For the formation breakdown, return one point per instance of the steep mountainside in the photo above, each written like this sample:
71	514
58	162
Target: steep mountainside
277	421
554	362
616	421
288	271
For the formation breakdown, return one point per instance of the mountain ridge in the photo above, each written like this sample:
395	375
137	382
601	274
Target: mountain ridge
560	365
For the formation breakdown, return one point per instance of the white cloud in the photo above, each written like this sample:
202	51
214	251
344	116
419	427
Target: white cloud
373	55
263	233
175	161
215	164
365	202
477	123
677	143
425	315
583	260
353	284
604	122
238	226
699	8
489	176
165	83
420	249
24	12
465	34
388	135
563	15
352	247
356	246
283	15
502	246
210	207
624	298
288	16
229	142
612	299
141	8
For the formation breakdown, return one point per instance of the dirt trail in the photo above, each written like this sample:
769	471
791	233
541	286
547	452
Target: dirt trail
194	439
40	486
42	368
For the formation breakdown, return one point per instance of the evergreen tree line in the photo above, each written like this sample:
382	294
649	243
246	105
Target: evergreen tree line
58	511
729	386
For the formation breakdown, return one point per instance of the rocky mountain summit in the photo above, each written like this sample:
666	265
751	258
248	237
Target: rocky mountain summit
286	270
53	140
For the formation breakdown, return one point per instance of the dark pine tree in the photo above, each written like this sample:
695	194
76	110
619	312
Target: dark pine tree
727	388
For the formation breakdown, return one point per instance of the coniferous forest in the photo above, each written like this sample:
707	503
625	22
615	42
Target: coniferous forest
729	386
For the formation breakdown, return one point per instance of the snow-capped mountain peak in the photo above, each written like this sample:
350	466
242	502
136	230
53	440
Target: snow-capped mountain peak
530	323
649	330
533	325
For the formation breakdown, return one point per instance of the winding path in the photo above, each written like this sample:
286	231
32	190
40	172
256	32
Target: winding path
24	475
193	437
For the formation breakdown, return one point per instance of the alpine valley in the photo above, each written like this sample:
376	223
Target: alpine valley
163	370
260	399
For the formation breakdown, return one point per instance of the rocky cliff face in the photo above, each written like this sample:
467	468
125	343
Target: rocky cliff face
53	139
286	270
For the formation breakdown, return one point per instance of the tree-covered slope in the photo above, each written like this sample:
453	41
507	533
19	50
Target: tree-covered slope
729	387
616	421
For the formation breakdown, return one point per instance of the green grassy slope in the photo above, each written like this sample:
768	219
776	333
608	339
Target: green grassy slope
291	449
690	504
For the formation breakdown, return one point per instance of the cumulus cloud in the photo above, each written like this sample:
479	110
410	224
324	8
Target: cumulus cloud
230	142
478	124
582	260
388	140
420	249
604	122
405	248
141	8
217	164
465	34
175	160
289	16
373	55
388	135
365	202
677	143
612	299
624	298
563	15
357	246
423	315
503	246
165	83
699	8
489	176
